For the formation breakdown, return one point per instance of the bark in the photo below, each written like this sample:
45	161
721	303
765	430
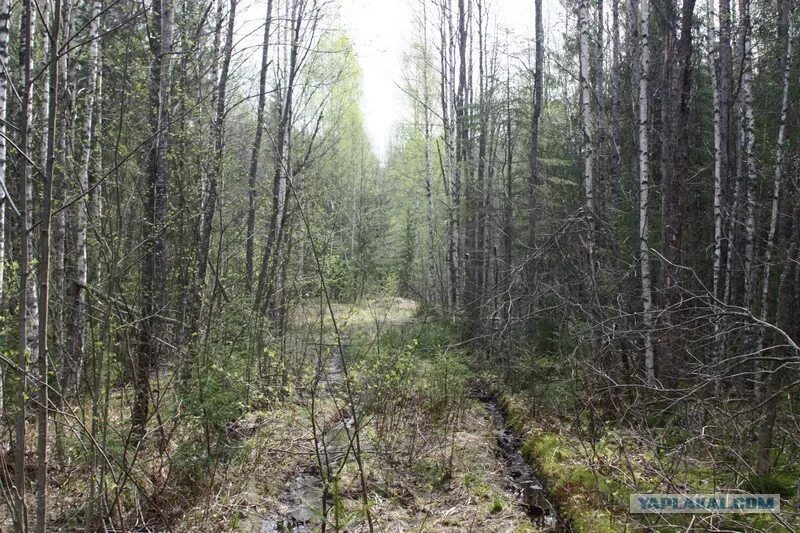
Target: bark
44	277
675	167
674	116
721	80
748	141
644	188
154	261
256	153
26	61
31	283
64	165
588	144
615	165
786	63
600	98
446	93
462	145
282	167
475	234
533	155
216	175
508	209
5	19
80	282
426	117
586	109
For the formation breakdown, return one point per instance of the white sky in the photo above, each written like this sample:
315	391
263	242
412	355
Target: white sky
382	32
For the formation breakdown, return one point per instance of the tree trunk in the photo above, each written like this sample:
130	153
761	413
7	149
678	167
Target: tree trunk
600	98
154	261
675	91
79	306
533	154
26	60
282	152
256	153
615	165
749	141
210	204
786	64
5	20
588	145
462	146
644	188
44	277
721	68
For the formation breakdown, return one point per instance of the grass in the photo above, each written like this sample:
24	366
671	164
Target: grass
592	483
429	449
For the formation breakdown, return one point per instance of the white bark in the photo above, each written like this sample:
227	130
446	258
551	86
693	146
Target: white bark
426	104
718	148
589	154
644	189
77	325
586	109
718	176
776	191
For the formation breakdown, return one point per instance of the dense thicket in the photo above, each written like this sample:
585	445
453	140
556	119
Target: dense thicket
611	211
622	205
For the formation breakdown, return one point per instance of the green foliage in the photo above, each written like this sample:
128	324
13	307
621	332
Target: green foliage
773	483
497	505
216	394
543	379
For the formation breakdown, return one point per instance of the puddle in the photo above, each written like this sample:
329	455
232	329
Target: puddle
302	498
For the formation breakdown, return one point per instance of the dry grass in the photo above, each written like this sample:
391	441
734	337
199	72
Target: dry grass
411	485
424	496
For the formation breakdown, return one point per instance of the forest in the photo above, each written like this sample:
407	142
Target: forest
570	276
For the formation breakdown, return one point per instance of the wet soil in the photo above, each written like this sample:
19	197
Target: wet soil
521	479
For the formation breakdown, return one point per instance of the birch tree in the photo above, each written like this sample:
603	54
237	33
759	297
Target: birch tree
777	184
44	277
81	280
644	186
256	152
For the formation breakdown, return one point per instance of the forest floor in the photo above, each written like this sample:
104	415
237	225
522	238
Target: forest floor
436	457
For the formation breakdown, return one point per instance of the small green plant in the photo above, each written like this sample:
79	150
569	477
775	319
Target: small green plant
497	505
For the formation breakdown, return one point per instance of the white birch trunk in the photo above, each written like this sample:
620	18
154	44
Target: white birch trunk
586	109
77	325
644	189
776	195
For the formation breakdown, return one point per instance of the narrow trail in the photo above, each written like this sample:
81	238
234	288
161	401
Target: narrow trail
304	494
301	499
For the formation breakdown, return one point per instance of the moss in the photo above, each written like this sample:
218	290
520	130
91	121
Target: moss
580	493
773	483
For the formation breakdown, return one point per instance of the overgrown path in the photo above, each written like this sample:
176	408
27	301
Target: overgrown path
436	450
